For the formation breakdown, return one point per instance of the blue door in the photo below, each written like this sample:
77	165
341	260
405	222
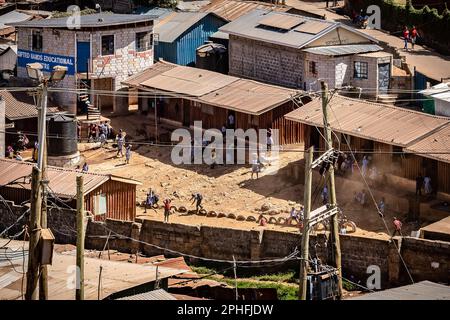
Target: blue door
83	56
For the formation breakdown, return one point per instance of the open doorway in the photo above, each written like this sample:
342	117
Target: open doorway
104	101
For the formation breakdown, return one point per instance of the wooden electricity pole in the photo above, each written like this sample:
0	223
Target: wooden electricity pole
304	262
332	188
79	294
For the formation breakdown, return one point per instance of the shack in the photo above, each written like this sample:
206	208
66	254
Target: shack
389	135
212	97
106	195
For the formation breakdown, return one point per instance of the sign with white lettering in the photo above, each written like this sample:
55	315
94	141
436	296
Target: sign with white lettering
48	61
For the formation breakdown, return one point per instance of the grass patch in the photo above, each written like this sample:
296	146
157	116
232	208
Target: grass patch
289	277
202	270
284	291
349	286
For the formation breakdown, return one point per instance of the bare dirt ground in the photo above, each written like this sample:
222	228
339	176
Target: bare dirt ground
227	189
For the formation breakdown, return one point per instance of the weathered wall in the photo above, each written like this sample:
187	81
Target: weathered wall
426	259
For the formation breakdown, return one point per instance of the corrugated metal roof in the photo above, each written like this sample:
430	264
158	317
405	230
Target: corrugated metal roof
190	81
344	49
148	73
232	9
369	120
281	21
440	91
171	26
159	294
20	105
249	26
116	277
424	290
87	21
441	226
215	88
13	17
61	181
220	35
435	146
312	27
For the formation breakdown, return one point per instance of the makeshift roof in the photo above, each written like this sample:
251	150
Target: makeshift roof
159	294
87	21
424	290
217	89
61	181
373	121
435	146
252	26
232	9
173	25
116	276
20	105
440	227
13	17
440	91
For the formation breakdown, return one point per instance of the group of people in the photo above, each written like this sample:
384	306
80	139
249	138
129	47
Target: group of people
360	19
423	183
14	151
152	199
120	141
410	35
98	132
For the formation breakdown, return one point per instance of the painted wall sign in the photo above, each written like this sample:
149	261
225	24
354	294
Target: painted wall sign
48	61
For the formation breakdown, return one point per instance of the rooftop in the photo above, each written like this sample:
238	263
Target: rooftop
213	88
435	146
61	181
440	91
441	227
232	9
159	294
87	21
116	276
374	121
13	17
21	105
285	29
424	290
174	24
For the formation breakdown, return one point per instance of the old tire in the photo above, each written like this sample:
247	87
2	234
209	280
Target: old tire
202	212
182	209
221	215
251	219
231	216
272	220
174	208
211	214
281	220
240	218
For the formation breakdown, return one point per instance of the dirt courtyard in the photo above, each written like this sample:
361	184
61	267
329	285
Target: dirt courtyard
226	188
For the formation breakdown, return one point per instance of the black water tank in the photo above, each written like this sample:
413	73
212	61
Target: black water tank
62	135
213	57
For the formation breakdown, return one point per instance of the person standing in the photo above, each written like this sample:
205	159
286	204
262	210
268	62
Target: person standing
128	154
427	185
365	166
197	198
325	195
419	184
381	207
413	35
397	227
255	168
166	210
120	142
149	200
231	121
269	141
85	167
405	37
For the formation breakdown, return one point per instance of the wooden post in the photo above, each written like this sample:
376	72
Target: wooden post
304	263
43	279
35	234
332	188
79	294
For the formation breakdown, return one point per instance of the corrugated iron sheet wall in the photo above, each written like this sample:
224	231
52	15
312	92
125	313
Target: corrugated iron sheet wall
120	200
443	177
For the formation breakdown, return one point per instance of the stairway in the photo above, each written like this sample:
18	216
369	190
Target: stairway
93	113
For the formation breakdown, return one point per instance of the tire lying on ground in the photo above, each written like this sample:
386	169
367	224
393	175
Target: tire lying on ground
251	219
240	218
212	214
174	208
281	220
191	212
182	209
272	220
221	215
231	216
202	212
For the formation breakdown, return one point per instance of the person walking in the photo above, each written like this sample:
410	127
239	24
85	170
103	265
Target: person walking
149	200
85	167
128	154
427	185
397	227
197	198
255	168
381	207
419	184
405	37
120	142
365	166
413	34
166	210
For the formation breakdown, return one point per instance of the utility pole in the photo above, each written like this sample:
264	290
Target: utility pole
332	188
304	262
79	294
43	279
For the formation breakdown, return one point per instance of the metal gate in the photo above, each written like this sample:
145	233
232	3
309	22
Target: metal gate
384	75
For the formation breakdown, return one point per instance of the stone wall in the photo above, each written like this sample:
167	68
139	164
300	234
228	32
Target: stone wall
426	259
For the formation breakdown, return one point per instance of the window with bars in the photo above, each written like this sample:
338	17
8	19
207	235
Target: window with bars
312	68
36	40
107	45
361	70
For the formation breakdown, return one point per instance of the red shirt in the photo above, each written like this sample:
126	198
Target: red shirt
405	34
414	33
397	224
167	205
